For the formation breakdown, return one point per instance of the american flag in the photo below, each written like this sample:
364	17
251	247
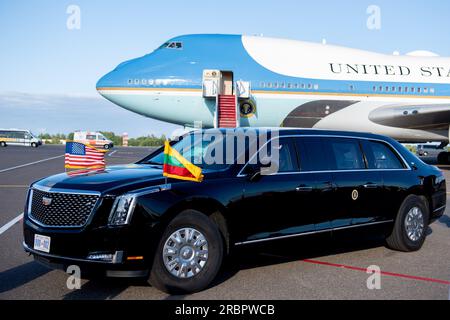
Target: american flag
81	156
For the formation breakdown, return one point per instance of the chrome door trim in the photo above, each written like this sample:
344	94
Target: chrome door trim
312	232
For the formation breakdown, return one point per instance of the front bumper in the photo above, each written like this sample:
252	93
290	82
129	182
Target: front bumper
128	248
115	268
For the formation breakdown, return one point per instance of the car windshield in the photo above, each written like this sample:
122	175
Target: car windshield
208	155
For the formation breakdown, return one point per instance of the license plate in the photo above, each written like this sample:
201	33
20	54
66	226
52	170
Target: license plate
42	243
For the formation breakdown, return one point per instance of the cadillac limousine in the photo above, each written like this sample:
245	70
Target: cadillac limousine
129	221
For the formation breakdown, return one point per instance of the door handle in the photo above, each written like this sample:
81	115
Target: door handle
371	186
304	189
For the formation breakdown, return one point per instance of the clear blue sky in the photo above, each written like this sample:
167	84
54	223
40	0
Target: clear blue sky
46	67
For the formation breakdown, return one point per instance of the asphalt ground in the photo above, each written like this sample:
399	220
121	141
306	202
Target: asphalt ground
313	268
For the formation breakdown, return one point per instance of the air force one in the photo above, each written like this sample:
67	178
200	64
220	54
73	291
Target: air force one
240	81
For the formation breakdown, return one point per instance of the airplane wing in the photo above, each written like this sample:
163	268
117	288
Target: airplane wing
423	117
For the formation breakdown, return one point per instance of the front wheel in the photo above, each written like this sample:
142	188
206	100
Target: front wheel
189	254
411	225
2	144
34	145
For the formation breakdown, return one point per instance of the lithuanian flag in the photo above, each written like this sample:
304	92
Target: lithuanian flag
177	167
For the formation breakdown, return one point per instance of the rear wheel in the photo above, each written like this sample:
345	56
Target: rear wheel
189	254
411	225
444	158
2	144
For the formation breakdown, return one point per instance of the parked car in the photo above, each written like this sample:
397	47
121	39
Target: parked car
429	150
130	221
95	139
17	137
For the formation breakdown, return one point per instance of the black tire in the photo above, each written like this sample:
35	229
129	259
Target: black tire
2	144
399	240
34	145
163	280
443	158
106	146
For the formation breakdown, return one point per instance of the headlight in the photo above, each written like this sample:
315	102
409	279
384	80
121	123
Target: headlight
122	210
123	206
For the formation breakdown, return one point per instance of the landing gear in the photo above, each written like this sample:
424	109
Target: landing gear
444	158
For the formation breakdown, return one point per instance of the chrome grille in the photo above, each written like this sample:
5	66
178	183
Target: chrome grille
55	209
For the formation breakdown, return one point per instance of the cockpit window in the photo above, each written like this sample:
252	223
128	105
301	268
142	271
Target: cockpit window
172	45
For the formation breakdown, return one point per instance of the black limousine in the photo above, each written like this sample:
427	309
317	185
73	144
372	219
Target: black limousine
129	221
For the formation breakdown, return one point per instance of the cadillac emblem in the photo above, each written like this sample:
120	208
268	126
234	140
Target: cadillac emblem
46	201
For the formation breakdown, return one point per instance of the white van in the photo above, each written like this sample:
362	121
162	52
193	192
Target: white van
93	138
17	137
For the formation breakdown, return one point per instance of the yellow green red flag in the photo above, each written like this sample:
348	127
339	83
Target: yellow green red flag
177	167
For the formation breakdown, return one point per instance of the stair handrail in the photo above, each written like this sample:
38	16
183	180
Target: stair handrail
216	111
236	105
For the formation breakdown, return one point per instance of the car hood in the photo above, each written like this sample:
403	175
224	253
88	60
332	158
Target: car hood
110	179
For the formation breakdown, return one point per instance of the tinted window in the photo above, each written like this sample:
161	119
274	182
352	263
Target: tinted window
285	158
91	137
19	135
380	156
311	153
345	154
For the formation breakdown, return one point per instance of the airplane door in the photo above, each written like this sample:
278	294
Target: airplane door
226	83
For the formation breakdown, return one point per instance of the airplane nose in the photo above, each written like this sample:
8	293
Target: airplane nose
107	81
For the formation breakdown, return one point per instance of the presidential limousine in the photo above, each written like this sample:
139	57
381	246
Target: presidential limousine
130	221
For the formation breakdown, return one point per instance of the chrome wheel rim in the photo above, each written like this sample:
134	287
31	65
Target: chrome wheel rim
185	253
414	224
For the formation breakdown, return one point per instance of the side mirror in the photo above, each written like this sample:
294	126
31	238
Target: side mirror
253	173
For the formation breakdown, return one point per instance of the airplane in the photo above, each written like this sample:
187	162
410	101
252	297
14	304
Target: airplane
246	81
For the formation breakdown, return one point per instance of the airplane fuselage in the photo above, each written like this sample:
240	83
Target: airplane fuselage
288	83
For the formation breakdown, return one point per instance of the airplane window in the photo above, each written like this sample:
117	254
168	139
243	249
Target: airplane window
425	90
419	90
289	85
400	89
282	85
303	86
172	45
269	85
412	90
275	84
406	89
310	86
387	89
263	84
393	89
381	88
374	88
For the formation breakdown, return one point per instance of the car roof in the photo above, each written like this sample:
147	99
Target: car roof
300	132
